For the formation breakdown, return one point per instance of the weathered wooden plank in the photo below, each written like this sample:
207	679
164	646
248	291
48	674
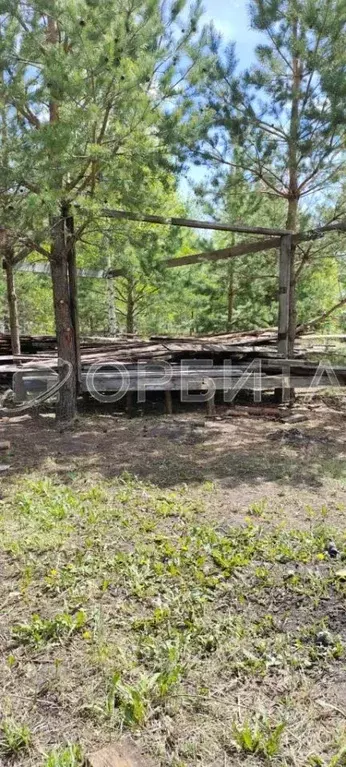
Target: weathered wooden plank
190	223
269	382
123	754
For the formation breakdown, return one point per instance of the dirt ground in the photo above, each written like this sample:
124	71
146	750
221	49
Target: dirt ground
286	468
170	578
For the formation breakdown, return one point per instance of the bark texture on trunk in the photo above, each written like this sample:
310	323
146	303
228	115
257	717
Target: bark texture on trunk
73	287
284	294
12	306
112	315
67	401
293	190
130	308
230	296
292	326
62	270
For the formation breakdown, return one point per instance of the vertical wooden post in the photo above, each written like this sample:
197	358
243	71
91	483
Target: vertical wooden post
211	406
168	402
284	294
19	389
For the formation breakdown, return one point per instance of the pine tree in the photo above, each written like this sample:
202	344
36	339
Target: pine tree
291	132
83	84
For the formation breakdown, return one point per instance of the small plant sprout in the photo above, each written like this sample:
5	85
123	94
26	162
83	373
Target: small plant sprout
15	738
258	508
40	630
258	736
66	756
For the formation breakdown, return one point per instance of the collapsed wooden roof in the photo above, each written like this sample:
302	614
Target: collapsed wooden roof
131	349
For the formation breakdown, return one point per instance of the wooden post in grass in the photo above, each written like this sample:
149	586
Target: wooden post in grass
129	403
211	406
168	402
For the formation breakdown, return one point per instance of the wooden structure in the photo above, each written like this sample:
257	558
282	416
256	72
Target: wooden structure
271	238
301	374
225	363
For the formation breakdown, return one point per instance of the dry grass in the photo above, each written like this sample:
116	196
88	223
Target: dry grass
128	605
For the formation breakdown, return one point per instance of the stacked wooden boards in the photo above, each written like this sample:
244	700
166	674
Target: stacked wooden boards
194	361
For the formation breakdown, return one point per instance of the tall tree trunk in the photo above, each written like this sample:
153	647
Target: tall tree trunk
73	288
112	316
59	262
293	190
12	305
130	309
67	402
230	296
292	324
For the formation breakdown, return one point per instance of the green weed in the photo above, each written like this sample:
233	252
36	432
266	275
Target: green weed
67	756
131	701
258	736
14	738
40	630
258	508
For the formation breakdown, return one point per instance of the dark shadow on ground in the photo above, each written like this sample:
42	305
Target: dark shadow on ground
183	449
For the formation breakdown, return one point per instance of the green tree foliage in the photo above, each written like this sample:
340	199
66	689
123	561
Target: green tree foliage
280	111
83	88
93	98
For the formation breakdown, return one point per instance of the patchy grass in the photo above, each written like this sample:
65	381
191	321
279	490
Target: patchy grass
14	738
125	608
68	756
258	737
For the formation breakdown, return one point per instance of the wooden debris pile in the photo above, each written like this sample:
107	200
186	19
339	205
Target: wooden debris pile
228	354
133	349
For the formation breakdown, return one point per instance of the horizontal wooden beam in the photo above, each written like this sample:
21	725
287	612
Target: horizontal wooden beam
191	223
242	249
104	383
43	267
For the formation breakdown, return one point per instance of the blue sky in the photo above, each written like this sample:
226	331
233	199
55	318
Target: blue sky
231	18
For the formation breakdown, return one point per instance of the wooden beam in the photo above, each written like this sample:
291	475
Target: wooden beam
43	267
190	223
242	249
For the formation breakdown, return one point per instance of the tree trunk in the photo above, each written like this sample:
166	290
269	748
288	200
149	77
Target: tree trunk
112	317
292	324
284	294
73	289
67	401
230	296
12	306
130	309
293	190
